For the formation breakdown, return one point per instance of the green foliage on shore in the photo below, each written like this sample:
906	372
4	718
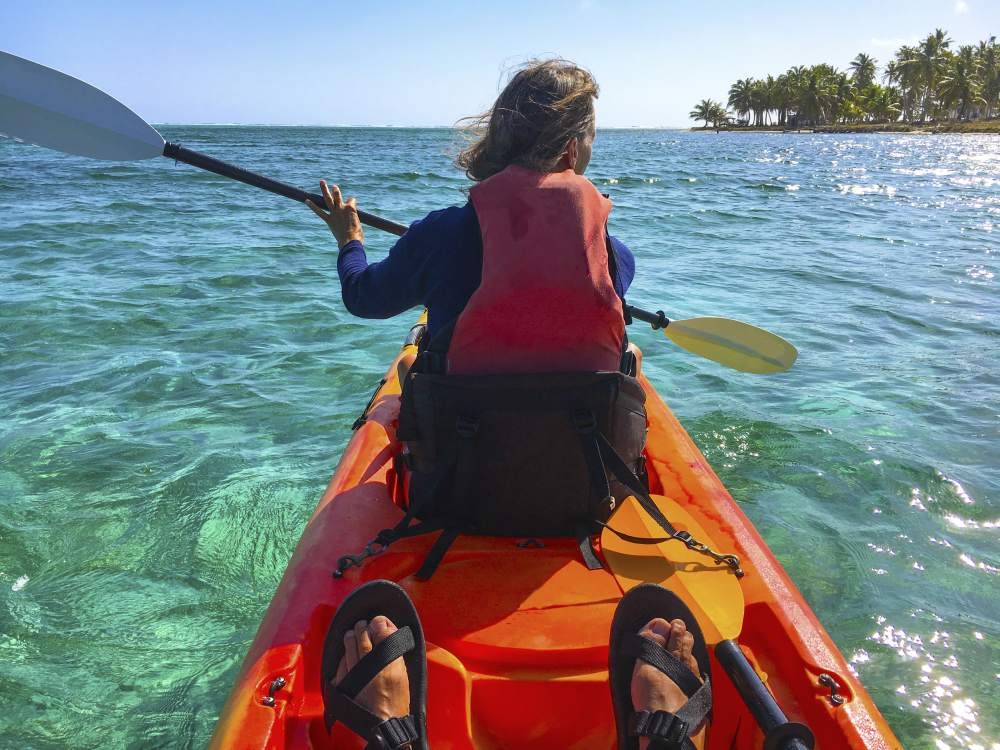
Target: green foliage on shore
931	83
710	111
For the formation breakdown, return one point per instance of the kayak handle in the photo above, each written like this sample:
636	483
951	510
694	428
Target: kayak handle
779	732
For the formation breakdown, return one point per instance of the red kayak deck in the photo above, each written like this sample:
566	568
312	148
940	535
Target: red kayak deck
517	632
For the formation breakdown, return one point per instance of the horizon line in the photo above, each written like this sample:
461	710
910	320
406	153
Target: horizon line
380	127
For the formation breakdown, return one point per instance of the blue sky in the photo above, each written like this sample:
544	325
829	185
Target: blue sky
430	63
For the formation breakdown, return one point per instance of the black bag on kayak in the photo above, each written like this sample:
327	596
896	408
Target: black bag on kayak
541	455
518	455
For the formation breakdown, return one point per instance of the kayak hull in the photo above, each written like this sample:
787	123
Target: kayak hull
517	629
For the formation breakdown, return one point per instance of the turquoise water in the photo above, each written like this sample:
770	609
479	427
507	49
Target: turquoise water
178	377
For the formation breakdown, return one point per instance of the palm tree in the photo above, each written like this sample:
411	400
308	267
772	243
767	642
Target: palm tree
843	94
758	102
906	75
718	114
929	62
988	54
705	110
783	97
794	82
892	72
739	96
818	99
862	70
883	103
960	83
770	98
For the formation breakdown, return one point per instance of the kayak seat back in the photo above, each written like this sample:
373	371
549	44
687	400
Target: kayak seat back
511	455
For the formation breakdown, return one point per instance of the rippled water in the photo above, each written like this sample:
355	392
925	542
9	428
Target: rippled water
178	375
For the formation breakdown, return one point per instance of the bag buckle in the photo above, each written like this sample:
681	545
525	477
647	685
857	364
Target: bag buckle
466	426
584	421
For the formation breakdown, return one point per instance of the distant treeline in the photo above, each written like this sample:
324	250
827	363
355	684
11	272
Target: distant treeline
932	80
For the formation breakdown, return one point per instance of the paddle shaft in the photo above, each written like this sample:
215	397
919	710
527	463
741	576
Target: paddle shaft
179	153
657	319
779	732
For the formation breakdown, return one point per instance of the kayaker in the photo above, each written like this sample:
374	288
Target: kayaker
542	125
523	284
375	672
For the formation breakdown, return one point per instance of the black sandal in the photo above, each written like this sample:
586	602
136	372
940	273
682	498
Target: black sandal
666	730
366	602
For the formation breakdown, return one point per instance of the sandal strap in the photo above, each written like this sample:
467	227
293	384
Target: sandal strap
666	731
698	706
393	734
652	653
351	714
382	655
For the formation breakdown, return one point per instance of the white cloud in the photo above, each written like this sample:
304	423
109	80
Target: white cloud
961	7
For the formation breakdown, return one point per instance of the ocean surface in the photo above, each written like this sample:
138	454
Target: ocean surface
178	376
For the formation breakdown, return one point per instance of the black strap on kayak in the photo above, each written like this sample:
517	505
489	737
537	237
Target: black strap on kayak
364	412
405	528
436	554
621	471
586	547
455	458
585	425
462	456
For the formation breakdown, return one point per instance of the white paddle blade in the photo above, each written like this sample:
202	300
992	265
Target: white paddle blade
43	106
734	344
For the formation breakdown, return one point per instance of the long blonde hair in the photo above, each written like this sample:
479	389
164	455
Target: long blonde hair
543	106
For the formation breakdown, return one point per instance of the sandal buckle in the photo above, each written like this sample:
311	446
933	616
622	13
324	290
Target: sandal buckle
664	729
394	733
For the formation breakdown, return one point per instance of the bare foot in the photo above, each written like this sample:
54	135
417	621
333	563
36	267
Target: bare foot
388	694
654	691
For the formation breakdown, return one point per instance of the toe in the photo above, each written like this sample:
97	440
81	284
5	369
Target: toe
686	644
380	628
656	630
364	640
677	632
350	649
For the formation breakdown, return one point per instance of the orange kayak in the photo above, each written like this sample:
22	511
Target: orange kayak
517	630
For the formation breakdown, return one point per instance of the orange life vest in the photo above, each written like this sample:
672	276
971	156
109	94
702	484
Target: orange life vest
546	302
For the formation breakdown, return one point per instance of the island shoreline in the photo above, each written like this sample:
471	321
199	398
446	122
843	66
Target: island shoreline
991	127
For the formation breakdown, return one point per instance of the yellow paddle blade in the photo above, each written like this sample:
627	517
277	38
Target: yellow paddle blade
733	343
711	590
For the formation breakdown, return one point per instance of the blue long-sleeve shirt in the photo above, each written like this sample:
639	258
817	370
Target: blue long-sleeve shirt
438	264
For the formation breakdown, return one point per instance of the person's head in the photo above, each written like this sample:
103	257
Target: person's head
543	120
